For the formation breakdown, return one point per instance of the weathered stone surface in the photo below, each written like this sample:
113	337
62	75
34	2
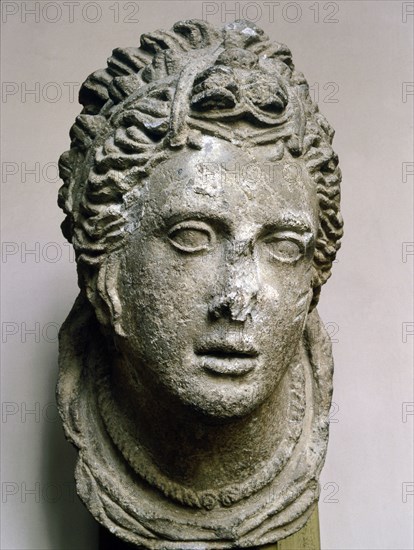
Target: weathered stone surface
202	200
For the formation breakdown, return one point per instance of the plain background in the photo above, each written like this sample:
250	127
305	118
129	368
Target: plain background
357	57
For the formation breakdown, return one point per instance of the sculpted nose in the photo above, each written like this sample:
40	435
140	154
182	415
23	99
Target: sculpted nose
239	287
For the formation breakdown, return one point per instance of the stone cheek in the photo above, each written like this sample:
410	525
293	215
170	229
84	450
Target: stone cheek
202	199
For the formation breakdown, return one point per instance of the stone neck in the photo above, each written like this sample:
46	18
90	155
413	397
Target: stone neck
197	462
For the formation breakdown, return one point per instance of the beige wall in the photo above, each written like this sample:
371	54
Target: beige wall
358	65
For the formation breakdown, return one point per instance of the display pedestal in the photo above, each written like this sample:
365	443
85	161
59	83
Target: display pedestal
306	539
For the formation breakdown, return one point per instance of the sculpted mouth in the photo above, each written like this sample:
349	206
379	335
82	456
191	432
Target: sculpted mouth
226	349
227	359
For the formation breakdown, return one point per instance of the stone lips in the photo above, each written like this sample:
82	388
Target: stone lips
181	85
141	514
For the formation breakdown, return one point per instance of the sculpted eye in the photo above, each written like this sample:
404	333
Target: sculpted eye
283	249
191	236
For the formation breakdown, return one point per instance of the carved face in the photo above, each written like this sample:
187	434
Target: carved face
215	283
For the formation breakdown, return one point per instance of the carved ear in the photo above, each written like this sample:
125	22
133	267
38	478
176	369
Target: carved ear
103	294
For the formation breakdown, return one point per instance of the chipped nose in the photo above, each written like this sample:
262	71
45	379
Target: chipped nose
239	296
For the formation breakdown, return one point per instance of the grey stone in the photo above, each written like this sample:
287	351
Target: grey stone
201	195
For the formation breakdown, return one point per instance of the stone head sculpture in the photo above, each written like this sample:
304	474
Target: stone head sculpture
201	195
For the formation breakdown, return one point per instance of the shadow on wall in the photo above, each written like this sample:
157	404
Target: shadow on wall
68	523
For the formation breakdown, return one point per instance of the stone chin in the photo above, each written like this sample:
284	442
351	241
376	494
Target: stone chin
214	282
223	390
232	400
201	195
113	474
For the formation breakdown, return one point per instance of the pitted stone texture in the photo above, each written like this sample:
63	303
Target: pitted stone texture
202	200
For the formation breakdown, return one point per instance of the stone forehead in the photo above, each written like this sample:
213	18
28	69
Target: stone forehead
220	165
240	191
188	96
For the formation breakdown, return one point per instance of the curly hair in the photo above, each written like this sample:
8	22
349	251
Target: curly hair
155	99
